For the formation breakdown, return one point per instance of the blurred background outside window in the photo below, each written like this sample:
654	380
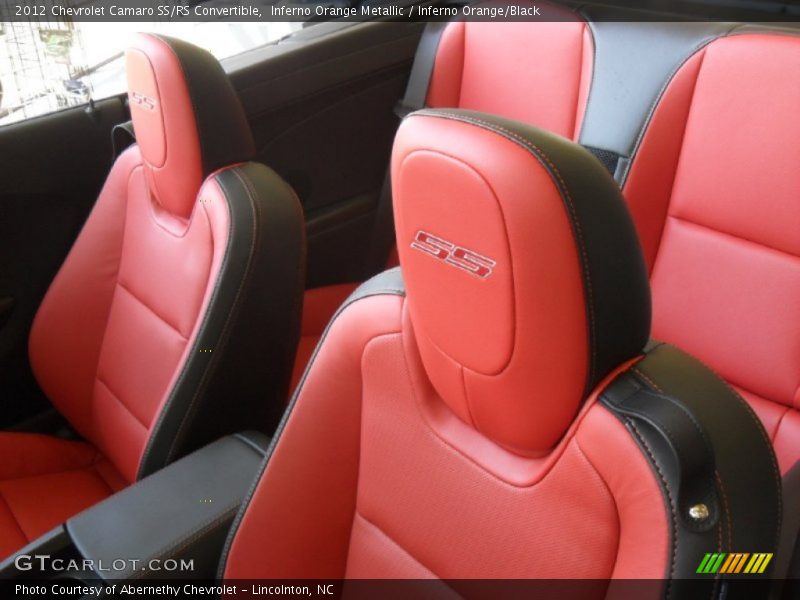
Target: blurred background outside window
47	66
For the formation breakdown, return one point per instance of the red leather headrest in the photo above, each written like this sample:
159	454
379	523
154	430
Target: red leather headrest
187	118
524	276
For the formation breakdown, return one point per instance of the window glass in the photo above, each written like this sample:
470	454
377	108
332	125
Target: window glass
48	66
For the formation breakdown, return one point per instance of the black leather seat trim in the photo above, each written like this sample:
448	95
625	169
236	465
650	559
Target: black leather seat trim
252	324
746	480
653	412
222	128
164	515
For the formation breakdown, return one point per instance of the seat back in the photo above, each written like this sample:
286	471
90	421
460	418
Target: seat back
489	413
535	72
145	339
715	191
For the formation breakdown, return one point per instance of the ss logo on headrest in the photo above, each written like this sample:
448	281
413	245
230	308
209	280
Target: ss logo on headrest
144	101
455	256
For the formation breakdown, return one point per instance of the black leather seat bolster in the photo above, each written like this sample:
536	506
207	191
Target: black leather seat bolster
243	383
715	462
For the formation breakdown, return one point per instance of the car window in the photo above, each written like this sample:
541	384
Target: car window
49	66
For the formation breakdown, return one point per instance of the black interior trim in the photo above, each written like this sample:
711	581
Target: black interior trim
748	483
183	511
222	128
252	324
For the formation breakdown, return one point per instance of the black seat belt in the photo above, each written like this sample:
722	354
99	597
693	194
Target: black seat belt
122	136
414	99
421	71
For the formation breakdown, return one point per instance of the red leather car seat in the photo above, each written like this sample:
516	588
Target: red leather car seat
714	189
535	72
495	416
145	341
715	192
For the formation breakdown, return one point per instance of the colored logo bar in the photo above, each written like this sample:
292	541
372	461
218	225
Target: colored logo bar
735	563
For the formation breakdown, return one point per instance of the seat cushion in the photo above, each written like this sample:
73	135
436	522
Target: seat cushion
45	480
319	305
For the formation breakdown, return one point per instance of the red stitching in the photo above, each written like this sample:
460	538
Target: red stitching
762	431
652	383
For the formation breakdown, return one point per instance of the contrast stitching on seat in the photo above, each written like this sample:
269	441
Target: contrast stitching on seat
719	480
194	536
234	309
198	342
668	432
195	346
151	309
726	504
652	383
667	397
718	576
762	431
744	390
660	96
541	156
118	399
674	170
745	404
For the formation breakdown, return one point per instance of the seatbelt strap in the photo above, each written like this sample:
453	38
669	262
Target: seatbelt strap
414	99
122	136
421	71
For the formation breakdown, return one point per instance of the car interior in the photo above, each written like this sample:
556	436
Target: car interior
456	301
